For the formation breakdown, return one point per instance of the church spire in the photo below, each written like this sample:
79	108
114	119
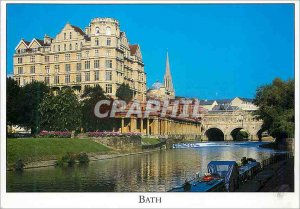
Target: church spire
168	78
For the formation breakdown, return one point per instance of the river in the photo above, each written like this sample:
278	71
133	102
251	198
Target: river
157	171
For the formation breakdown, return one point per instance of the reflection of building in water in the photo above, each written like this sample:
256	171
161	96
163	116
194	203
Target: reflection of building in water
165	90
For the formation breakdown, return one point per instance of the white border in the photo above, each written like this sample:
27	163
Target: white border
130	200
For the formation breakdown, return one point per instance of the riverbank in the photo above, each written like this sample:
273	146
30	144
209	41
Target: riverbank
44	152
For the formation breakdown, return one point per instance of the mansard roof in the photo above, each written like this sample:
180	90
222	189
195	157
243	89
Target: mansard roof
39	41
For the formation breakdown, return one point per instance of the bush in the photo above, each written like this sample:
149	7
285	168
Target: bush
107	133
55	134
83	158
68	159
19	165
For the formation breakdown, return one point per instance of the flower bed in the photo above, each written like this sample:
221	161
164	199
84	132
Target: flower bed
55	134
105	134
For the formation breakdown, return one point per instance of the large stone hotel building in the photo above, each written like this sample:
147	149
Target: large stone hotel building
99	55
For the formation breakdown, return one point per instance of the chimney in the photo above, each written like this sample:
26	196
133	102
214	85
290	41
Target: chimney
47	39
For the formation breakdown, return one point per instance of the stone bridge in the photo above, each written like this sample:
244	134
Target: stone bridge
224	125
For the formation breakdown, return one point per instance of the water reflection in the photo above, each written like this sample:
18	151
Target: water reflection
153	172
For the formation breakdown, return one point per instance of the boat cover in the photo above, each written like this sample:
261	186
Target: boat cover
228	170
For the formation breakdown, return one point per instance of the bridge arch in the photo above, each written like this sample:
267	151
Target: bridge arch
239	133
214	134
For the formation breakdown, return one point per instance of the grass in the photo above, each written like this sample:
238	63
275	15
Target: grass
150	141
37	149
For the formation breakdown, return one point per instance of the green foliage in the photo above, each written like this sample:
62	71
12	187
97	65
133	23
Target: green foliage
37	149
242	135
60	112
90	122
19	165
68	159
83	158
12	101
124	92
276	108
149	141
30	97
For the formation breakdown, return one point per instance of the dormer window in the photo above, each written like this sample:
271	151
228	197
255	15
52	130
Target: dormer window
108	31
65	36
97	30
70	35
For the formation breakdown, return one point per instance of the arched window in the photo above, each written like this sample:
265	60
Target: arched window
70	47
108	31
97	30
76	46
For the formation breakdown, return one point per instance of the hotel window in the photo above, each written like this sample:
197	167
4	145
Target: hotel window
108	31
87	64
20	60
78	66
108	53
97	41
68	68
108	88
32	69
56	57
54	48
67	78
96	52
97	75
78	56
32	79
46	58
87	53
81	44
24	81
87	76
108	42
108	75
58	48
78	78
20	70
108	63
65	36
56	67
32	58
70	35
97	30
56	79
70	47
96	64
65	47
47	69
76	46
18	81
67	57
47	80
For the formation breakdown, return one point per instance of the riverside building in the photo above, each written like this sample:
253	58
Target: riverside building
101	54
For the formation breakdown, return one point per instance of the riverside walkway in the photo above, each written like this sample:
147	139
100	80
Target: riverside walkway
278	177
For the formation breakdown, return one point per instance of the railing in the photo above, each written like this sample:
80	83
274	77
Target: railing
275	159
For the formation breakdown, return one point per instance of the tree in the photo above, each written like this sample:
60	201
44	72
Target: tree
124	92
31	95
90	122
60	112
12	101
276	108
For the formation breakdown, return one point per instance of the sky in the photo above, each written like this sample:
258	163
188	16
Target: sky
215	50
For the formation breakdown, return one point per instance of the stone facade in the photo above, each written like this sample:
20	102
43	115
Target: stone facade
99	55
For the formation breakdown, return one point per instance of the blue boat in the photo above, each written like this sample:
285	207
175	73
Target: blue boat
222	176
